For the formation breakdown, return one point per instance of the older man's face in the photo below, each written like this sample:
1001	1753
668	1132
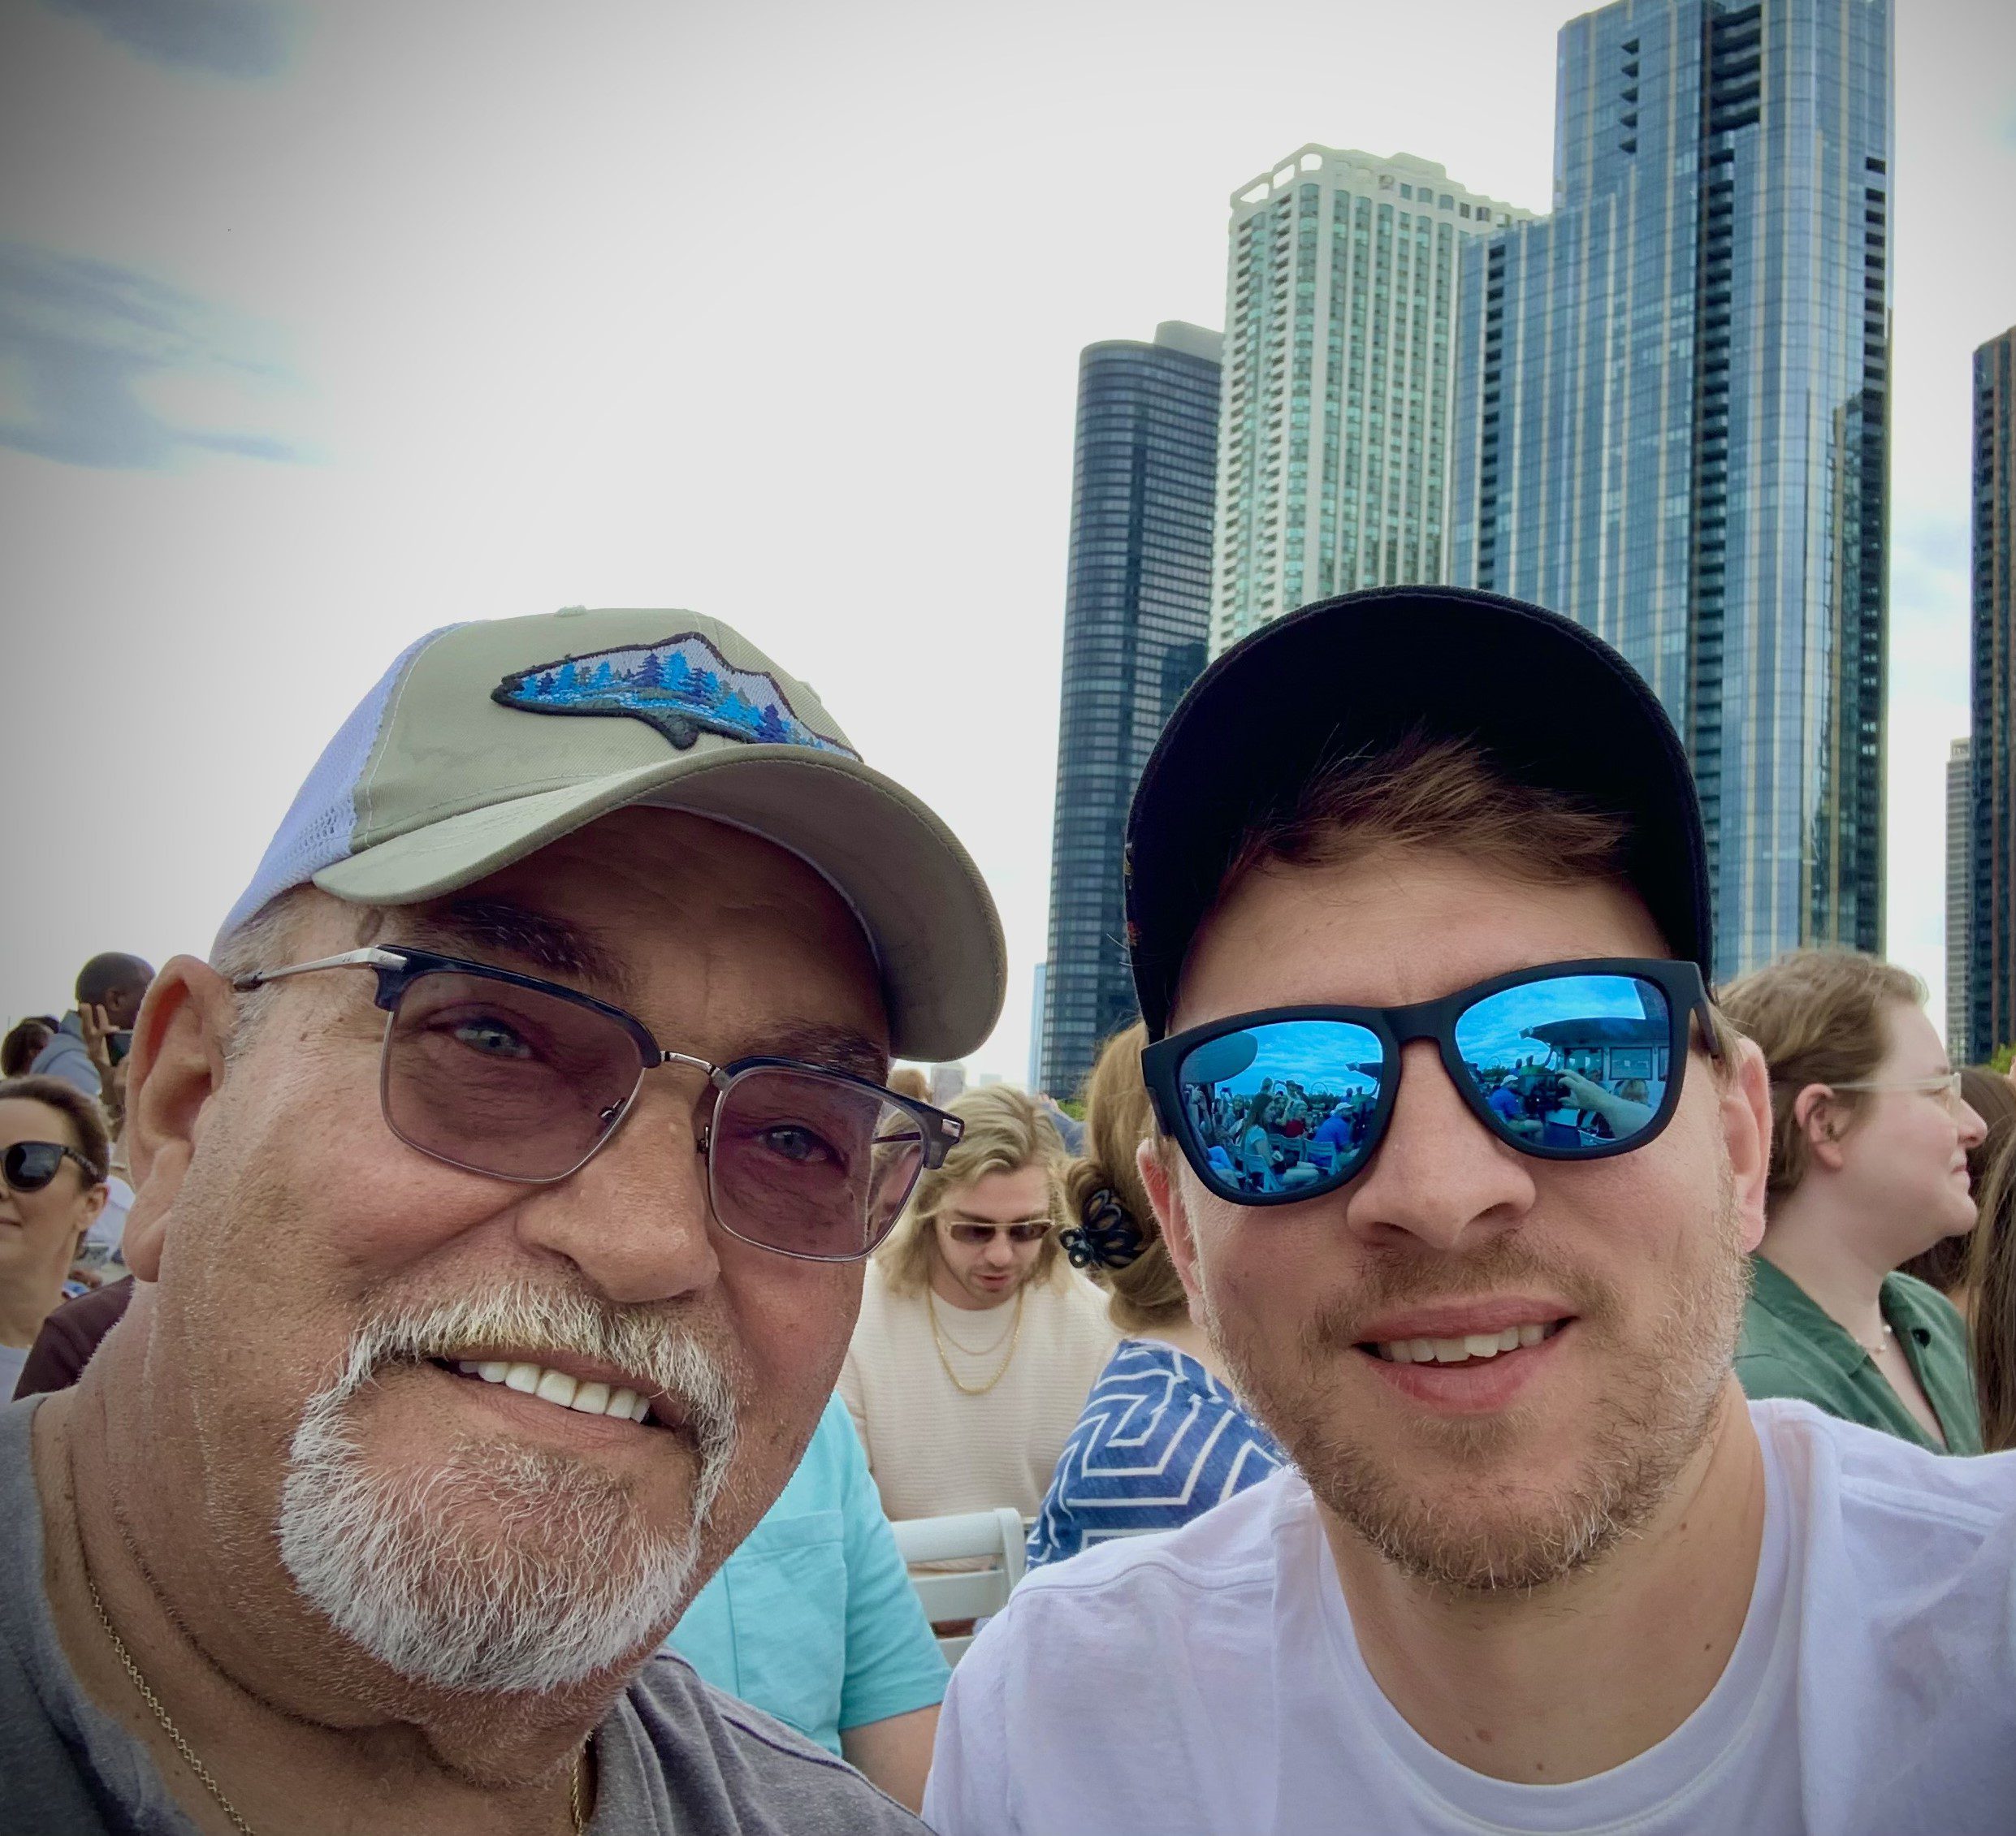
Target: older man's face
1505	1472
323	1285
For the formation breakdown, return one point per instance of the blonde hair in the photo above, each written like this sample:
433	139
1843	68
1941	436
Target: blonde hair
907	1080
1819	1016
1006	1131
1145	1292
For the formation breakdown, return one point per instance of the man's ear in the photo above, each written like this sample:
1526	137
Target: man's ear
1746	1135
175	1067
1169	1212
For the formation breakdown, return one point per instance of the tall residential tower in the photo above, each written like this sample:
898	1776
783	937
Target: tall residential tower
1340	301
1135	611
1991	981
1959	900
1674	415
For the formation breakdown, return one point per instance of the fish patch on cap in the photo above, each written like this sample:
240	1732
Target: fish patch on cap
682	685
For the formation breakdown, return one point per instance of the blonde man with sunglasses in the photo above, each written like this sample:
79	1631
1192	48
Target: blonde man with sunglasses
1870	1138
977	1341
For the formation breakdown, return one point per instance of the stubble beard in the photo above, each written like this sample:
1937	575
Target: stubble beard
1498	1536
504	1567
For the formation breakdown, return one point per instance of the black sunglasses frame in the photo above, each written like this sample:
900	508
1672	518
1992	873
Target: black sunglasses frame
93	1176
1686	1001
398	966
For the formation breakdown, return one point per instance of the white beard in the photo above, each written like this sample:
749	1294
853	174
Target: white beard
507	1567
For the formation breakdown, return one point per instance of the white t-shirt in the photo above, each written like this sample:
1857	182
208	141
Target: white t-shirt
1208	1680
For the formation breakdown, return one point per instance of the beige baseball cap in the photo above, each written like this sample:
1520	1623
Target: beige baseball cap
485	741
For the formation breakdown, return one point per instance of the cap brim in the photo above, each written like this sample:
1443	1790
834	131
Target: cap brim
928	912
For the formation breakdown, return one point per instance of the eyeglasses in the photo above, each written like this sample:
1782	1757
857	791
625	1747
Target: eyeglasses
526	1080
1946	1086
28	1166
1564	1061
973	1235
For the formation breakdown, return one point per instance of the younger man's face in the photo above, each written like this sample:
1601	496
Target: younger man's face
1514	1471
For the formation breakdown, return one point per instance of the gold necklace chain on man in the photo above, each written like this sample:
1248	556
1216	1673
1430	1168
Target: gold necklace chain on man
203	1772
931	1307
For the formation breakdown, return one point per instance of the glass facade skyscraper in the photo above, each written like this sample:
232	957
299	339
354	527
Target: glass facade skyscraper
1339	307
1991	980
1136	609
1959	900
1674	406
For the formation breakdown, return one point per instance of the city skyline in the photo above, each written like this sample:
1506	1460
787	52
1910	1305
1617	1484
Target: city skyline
308	352
1673	424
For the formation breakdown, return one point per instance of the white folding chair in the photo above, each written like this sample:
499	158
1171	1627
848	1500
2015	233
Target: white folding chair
950	1595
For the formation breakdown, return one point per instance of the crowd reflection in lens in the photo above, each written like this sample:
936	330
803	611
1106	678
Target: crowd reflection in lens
1566	1064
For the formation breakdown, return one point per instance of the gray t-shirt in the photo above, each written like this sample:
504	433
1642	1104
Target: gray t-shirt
674	1756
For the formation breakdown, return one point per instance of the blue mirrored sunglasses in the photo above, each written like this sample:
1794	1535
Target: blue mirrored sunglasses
1564	1061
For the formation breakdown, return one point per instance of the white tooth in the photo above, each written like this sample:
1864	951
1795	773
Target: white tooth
1508	1340
622	1403
466	1367
1480	1345
1385	1351
642	1410
1448	1351
1531	1335
1399	1350
591	1399
557	1386
1424	1350
492	1371
524	1377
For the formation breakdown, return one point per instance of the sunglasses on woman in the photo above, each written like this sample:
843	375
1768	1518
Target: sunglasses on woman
1564	1061
527	1080
28	1166
973	1235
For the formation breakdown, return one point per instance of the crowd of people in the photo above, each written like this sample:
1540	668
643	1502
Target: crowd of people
1455	1365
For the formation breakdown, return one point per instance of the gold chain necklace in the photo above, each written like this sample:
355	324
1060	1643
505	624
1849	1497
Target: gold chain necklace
203	1772
931	1307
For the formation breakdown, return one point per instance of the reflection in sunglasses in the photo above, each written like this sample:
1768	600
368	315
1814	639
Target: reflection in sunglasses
973	1235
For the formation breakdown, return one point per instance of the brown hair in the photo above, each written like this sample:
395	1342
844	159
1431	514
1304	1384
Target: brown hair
86	1122
1006	1131
1453	796
1819	1018
1991	1278
1991	1097
23	1044
1104	1194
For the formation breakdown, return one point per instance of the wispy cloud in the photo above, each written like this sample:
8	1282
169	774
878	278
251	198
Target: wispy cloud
101	365
247	40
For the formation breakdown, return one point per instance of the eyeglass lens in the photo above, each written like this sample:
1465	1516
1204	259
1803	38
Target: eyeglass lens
974	1235
1566	1063
27	1166
514	1082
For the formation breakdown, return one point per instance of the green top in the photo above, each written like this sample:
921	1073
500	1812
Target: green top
1790	1348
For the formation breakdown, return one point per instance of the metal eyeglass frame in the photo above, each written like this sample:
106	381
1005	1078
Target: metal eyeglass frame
1686	999
399	966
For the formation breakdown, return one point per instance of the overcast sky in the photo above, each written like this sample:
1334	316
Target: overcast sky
323	325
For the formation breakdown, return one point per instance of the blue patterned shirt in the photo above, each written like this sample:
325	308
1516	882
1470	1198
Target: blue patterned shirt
1161	1440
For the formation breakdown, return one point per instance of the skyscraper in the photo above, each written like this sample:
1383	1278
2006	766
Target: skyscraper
1340	301
1959	897
1674	415
1135	611
1992	981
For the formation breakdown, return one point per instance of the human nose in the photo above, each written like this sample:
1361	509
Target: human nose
636	1221
1972	1130
1438	1174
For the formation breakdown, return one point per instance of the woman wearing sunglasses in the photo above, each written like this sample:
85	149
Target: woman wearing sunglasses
53	1158
1870	1140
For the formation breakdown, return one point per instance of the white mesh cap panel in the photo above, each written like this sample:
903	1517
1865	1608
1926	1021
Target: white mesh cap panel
316	830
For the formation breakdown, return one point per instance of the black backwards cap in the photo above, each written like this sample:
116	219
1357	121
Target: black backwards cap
1550	703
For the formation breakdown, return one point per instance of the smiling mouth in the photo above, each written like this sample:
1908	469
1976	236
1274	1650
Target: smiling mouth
556	1387
1471	1349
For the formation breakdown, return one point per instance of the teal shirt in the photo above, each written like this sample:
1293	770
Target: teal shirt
812	1618
1790	1347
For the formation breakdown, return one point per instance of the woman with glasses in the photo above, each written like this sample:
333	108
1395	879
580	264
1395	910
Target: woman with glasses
52	1154
1870	1136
